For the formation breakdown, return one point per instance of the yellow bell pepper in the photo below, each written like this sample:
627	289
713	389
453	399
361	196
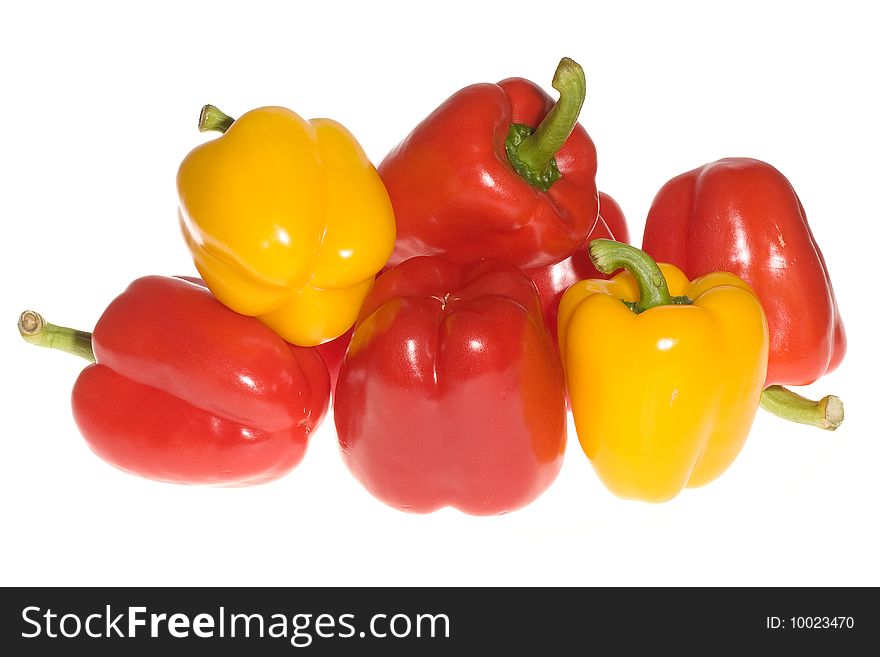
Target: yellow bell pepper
664	375
287	220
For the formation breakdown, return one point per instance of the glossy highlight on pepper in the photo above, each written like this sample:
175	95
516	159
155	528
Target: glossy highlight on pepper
287	220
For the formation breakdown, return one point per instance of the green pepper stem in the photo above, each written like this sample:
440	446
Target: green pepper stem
212	118
532	153
827	413
608	256
36	330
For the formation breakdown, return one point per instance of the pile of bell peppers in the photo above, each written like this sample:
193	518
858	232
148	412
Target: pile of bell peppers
456	302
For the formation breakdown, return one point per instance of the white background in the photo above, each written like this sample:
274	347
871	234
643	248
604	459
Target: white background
99	105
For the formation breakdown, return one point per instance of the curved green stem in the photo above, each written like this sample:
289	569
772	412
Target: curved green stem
608	256
212	118
532	153
827	413
36	330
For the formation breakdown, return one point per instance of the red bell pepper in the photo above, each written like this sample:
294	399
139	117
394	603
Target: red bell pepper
552	281
451	393
497	170
185	390
742	216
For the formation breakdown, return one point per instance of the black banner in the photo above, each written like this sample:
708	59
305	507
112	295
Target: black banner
436	621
